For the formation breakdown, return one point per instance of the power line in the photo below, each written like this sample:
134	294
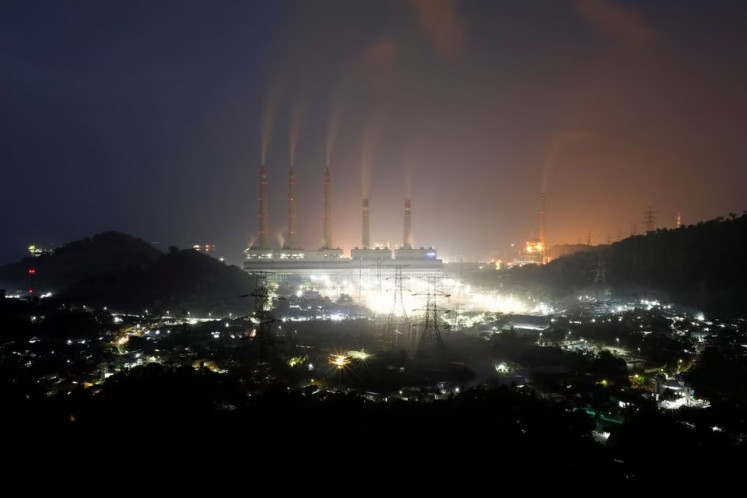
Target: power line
261	317
397	327
431	340
649	219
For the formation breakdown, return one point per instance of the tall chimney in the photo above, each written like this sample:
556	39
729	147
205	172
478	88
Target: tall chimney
290	242
327	209
542	227
408	230
264	231
366	240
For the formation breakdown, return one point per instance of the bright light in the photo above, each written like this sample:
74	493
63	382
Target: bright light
377	295
340	361
359	355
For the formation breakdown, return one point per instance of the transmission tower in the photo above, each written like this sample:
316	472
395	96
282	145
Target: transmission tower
397	327
430	338
460	279
600	276
649	219
600	270
261	318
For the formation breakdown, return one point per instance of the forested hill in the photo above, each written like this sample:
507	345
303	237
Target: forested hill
104	253
702	265
123	272
180	280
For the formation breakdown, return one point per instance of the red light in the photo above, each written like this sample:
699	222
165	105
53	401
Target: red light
31	291
32	271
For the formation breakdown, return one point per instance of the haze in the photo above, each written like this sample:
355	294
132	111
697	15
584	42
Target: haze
153	118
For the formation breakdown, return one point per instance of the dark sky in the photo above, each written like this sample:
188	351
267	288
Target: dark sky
153	117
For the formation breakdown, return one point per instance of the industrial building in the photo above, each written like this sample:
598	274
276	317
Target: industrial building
366	264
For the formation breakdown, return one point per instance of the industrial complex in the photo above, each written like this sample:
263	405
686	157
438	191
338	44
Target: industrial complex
290	263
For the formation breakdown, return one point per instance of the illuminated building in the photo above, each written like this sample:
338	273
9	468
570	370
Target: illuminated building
37	251
292	264
532	253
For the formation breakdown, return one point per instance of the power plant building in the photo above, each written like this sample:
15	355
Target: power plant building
290	263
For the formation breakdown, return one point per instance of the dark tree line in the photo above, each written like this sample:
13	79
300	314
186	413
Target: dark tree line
699	265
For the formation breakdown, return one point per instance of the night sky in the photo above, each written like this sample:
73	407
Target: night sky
153	117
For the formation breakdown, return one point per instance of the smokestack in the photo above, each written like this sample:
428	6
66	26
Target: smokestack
290	243
327	209
264	231
366	241
408	230
542	228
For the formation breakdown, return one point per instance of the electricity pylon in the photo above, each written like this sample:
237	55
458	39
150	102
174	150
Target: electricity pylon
430	340
397	327
261	318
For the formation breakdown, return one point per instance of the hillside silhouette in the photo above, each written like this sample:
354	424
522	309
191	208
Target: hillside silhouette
103	254
698	265
123	272
180	280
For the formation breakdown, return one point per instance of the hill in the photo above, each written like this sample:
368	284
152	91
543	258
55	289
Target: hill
561	250
123	272
698	265
102	254
180	280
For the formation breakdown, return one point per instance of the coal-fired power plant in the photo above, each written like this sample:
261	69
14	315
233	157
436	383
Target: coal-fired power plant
366	235
290	242
407	244
264	231
543	242
327	209
291	261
